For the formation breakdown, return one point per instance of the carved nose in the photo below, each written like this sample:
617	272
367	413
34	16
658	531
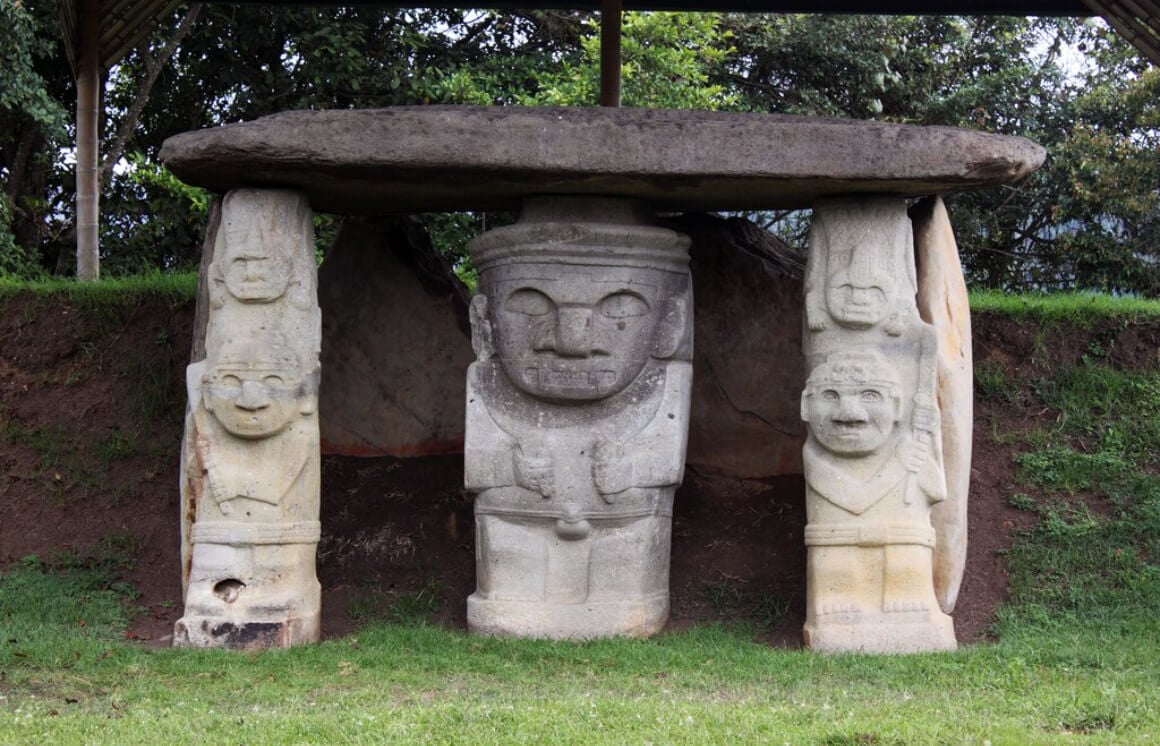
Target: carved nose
850	409
574	332
253	396
253	270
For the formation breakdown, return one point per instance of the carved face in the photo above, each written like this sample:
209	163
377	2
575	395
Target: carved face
852	405
253	272
577	333
256	400
856	304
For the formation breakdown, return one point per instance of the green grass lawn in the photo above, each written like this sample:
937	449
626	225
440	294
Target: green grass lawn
1077	657
67	683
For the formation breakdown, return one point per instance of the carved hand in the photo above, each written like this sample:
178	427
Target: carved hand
534	471
914	454
612	469
925	417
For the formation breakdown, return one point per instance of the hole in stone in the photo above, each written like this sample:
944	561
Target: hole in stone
228	590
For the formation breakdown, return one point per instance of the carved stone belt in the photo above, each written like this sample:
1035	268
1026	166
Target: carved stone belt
248	534
611	514
839	534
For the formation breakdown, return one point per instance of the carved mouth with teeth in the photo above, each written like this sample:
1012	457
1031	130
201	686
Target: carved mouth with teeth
849	428
570	378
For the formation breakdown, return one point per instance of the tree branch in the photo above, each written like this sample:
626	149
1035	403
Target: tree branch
152	72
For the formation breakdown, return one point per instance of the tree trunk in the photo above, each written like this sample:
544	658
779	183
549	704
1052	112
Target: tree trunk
88	106
152	71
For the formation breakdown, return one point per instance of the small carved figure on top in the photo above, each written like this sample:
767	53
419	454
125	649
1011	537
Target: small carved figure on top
263	237
860	272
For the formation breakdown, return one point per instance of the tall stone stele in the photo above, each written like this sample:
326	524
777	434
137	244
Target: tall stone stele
577	418
873	457
250	462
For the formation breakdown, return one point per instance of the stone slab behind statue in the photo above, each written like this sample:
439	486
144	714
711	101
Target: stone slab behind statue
748	367
943	303
395	343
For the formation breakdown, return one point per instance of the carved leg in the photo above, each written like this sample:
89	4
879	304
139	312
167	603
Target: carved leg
511	558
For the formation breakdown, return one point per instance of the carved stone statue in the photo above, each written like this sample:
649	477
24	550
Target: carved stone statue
577	418
873	457
250	488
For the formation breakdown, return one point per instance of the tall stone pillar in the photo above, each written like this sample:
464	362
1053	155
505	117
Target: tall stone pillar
577	418
250	462
873	457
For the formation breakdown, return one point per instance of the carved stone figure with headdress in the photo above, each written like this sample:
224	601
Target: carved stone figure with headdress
250	477
577	418
873	456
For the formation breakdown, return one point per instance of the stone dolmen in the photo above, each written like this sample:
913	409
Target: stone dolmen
577	405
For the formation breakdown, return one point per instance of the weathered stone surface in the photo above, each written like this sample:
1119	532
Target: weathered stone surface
943	303
250	460
436	158
873	457
748	372
577	417
395	344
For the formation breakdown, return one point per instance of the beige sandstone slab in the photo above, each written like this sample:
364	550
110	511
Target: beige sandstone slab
943	303
439	158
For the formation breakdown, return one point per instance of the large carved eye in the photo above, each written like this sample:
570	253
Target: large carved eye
528	302
870	396
622	306
830	395
273	382
229	384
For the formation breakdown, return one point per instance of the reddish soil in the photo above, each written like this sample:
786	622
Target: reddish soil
91	402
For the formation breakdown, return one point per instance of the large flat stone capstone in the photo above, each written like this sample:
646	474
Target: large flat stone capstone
444	158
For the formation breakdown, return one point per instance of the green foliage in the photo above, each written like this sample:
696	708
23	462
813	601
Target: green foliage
66	610
32	122
993	382
155	221
22	88
757	607
1088	219
417	607
177	287
1078	309
666	59
705	685
1093	557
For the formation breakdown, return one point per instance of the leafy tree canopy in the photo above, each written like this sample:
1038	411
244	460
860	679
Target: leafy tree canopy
1089	219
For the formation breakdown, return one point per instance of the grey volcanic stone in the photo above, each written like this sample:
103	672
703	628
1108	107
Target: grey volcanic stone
436	158
577	419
